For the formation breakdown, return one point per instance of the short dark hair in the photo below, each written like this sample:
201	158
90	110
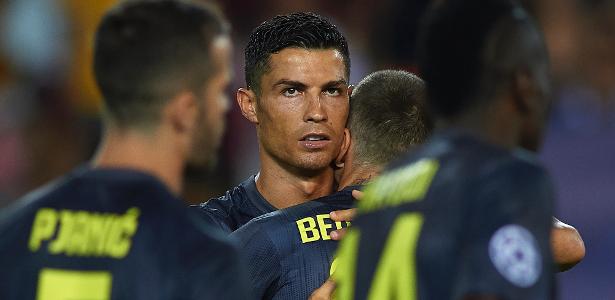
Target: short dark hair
468	49
147	51
387	116
301	30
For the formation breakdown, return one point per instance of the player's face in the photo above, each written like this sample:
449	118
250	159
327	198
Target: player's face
302	108
214	104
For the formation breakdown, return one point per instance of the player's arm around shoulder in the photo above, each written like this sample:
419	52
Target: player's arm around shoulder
567	246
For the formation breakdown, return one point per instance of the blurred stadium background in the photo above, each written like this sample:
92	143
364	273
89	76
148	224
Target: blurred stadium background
49	103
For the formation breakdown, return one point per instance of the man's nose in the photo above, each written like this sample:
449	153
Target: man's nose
315	111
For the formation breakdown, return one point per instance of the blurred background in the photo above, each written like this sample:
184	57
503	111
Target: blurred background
49	103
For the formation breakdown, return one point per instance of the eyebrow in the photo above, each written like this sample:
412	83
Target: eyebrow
336	83
303	85
290	83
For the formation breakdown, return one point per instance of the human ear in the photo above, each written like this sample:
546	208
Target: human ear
182	111
340	160
246	99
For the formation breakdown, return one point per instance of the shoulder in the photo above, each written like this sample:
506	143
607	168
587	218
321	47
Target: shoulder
232	199
225	211
258	228
515	185
237	207
267	235
29	203
519	171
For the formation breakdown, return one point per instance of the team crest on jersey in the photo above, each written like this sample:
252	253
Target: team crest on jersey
514	253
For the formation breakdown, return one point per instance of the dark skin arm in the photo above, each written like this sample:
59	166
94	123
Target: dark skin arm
567	245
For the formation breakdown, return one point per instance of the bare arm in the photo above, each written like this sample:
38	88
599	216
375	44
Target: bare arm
567	245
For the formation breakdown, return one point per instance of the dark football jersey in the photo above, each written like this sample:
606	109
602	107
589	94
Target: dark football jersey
456	217
237	207
113	234
289	252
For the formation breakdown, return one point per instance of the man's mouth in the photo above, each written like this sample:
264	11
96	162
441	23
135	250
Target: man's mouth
314	141
315	137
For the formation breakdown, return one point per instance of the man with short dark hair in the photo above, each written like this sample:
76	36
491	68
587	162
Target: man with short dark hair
387	118
297	68
116	228
467	215
290	251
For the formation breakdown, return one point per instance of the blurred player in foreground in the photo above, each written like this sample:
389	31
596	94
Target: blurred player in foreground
290	251
116	228
297	70
468	215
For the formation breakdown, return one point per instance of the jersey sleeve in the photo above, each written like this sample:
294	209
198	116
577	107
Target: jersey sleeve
216	212
505	246
261	257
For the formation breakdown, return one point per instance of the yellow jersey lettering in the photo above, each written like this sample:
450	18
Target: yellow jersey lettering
62	241
43	228
82	233
395	276
324	226
78	243
306	225
344	266
405	185
333	266
338	225
97	234
121	238
317	228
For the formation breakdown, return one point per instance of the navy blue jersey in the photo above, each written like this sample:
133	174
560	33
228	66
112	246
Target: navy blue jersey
457	217
113	234
289	252
237	207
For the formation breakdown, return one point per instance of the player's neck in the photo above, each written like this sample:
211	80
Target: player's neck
145	152
283	188
358	174
493	124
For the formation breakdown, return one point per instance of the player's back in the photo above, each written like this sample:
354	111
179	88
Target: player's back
457	217
289	252
112	234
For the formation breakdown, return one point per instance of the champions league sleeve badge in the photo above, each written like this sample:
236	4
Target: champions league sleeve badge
514	253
